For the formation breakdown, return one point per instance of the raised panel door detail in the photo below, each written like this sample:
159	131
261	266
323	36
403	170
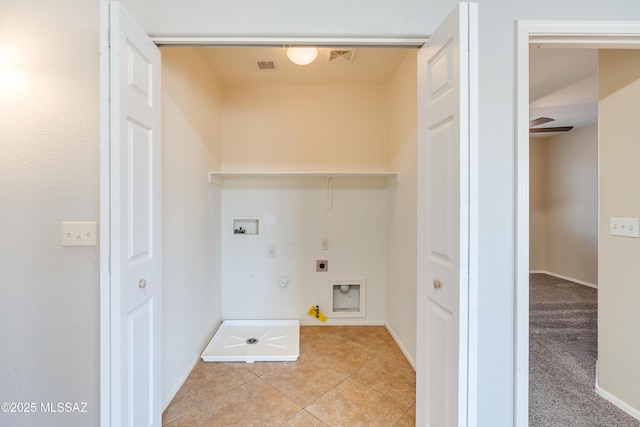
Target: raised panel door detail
440	73
444	137
139	183
135	226
140	364
440	179
440	365
139	74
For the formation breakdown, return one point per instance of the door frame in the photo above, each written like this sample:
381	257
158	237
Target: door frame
560	34
105	218
105	161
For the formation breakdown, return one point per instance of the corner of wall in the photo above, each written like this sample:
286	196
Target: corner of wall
191	211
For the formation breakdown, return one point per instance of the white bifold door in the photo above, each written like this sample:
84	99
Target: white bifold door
130	67
447	210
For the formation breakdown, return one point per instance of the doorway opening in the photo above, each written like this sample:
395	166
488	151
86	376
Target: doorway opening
441	74
564	233
557	35
284	130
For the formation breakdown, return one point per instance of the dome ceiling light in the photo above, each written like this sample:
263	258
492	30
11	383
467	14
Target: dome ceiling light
302	55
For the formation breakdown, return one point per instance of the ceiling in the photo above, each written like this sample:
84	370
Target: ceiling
563	82
239	65
563	85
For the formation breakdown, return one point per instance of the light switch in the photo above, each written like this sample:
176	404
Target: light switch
79	233
624	226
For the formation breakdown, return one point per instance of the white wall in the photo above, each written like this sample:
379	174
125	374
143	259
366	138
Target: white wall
294	221
563	207
309	128
191	134
355	18
619	269
49	173
402	206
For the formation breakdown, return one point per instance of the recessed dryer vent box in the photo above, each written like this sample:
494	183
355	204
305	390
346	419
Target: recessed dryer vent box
246	226
348	297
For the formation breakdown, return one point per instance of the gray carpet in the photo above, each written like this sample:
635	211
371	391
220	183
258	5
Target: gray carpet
563	351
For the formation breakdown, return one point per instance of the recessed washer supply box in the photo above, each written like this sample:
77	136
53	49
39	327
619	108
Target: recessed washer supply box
246	227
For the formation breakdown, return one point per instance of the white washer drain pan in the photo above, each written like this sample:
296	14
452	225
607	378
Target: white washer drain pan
254	341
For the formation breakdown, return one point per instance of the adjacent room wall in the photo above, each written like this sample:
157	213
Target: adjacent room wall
304	127
563	205
619	269
537	204
49	173
191	113
571	247
402	209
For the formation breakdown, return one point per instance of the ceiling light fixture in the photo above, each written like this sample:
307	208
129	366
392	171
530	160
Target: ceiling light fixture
302	55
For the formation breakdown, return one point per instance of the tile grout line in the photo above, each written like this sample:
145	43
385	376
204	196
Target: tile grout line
340	336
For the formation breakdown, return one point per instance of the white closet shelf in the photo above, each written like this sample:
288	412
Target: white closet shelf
237	177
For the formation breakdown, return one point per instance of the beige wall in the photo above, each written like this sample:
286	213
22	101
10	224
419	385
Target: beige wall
537	203
304	127
564	205
572	205
619	266
402	209
191	122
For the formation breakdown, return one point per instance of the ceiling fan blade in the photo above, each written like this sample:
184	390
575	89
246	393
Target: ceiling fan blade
555	129
540	121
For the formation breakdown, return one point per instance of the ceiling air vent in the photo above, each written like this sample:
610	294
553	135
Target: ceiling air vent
341	56
266	65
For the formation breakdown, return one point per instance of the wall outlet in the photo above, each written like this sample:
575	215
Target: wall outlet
322	265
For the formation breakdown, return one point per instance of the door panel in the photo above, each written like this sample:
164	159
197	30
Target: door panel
139	187
135	287
140	343
439	153
441	359
444	215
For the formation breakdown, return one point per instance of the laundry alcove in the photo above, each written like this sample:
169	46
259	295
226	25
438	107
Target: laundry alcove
323	157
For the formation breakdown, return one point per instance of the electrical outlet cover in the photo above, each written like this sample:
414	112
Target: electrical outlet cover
322	265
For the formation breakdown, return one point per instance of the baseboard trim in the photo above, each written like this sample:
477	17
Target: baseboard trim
180	383
190	367
402	347
560	276
338	322
617	402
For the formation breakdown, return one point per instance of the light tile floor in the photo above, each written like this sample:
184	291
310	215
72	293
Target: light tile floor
345	376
